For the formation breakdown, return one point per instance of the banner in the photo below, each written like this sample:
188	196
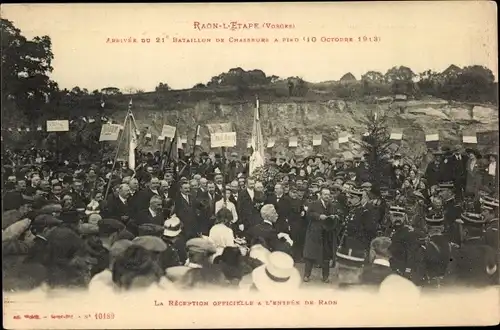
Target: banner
396	135
227	139
57	125
109	132
432	137
469	138
168	131
317	140
293	142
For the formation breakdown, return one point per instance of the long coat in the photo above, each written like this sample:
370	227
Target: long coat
321	242
474	179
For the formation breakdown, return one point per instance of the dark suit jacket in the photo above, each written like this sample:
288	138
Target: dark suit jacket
248	211
283	208
115	208
269	236
141	202
144	216
320	242
187	214
11	200
374	274
458	169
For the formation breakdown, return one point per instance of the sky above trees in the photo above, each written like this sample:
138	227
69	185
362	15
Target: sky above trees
424	36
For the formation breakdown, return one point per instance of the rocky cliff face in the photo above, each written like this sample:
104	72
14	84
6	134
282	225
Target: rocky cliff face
282	120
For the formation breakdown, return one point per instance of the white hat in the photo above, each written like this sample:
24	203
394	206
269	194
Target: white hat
172	227
277	274
259	252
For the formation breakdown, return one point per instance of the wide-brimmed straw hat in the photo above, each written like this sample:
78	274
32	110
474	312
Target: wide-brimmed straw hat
278	273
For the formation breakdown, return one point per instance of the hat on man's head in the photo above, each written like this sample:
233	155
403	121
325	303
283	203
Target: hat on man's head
488	202
51	208
15	230
446	185
434	219
150	243
355	191
45	220
201	245
172	227
366	186
70	216
109	226
94	218
88	229
277	274
349	257
150	229
119	247
471	219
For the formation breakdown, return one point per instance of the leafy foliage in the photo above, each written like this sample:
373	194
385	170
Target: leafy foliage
25	67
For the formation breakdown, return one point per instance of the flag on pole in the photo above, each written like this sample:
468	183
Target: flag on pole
132	146
197	136
257	158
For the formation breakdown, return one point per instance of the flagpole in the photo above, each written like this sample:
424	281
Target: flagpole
174	139
194	149
117	151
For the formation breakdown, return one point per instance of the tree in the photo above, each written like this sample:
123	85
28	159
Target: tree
273	79
162	87
401	73
401	80
199	85
301	87
373	76
25	68
377	144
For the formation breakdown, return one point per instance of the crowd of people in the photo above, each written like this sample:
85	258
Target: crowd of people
204	222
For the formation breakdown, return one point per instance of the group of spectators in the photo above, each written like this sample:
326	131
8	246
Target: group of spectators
206	222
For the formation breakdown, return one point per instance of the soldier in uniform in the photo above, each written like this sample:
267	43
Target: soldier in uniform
476	264
489	205
361	223
438	251
406	249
